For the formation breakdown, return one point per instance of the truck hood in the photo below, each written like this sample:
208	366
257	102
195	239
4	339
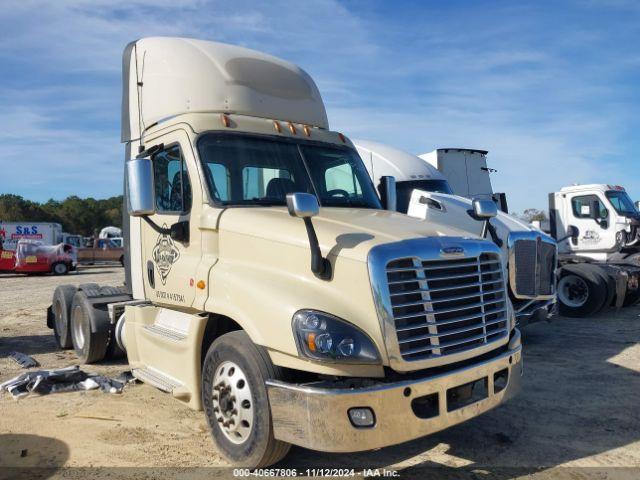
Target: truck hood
347	232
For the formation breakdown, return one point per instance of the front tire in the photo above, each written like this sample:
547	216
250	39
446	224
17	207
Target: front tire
235	401
60	268
581	291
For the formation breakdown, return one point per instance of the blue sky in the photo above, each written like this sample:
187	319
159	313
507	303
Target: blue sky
551	89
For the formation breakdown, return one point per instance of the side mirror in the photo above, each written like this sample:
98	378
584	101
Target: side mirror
573	233
484	209
140	187
305	206
302	205
387	190
594	210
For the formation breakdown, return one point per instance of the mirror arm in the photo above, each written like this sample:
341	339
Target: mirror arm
320	266
156	227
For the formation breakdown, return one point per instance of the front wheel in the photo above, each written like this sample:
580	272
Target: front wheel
235	401
581	295
60	268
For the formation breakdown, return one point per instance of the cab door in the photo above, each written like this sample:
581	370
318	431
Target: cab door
596	234
170	264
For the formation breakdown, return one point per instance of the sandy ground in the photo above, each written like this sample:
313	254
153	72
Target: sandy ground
578	408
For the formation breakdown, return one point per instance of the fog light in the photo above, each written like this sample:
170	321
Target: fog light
362	417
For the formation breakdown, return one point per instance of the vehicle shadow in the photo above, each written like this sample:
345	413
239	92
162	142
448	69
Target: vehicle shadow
576	401
31	456
81	271
28	344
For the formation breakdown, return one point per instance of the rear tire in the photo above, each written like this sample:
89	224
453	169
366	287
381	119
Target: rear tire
61	307
233	379
582	291
89	329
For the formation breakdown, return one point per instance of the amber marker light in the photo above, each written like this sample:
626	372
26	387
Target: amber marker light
342	138
277	127
201	284
225	120
307	130
292	128
311	341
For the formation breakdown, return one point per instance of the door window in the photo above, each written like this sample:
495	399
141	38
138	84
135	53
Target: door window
172	186
582	205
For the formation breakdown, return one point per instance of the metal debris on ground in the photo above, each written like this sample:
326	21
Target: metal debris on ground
69	379
24	360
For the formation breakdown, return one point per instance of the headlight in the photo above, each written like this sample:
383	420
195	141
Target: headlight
323	337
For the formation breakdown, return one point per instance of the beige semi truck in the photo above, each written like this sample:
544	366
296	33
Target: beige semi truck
289	307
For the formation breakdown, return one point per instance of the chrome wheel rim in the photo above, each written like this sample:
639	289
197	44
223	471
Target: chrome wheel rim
76	322
59	268
232	402
573	291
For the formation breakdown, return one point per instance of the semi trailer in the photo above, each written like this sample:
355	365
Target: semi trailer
423	191
292	308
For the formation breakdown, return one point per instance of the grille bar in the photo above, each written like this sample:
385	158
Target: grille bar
459	304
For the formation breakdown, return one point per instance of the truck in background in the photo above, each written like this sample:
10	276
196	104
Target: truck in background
595	226
423	191
467	172
44	232
600	262
101	250
291	310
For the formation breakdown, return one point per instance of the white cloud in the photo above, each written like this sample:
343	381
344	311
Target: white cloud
542	94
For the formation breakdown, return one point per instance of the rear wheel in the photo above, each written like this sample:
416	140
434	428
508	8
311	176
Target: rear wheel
581	291
235	400
89	329
61	307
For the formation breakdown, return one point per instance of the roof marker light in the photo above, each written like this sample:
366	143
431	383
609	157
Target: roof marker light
225	120
277	127
307	131
342	138
292	128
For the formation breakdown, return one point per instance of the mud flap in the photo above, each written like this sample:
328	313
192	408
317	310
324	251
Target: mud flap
622	278
50	317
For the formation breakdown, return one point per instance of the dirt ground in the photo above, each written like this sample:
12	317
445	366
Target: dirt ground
578	413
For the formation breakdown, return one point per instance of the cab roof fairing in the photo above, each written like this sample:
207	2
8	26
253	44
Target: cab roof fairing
403	165
164	77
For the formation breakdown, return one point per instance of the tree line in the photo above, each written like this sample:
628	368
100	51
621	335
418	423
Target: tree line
77	215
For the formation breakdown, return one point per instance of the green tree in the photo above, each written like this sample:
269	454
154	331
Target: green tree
77	215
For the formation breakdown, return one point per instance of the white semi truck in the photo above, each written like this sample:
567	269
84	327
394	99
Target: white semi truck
596	227
290	307
423	191
600	262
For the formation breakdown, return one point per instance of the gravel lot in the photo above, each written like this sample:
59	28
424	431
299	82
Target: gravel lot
578	407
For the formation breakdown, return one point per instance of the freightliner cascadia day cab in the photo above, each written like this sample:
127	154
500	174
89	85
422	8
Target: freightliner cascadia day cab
600	261
422	191
291	308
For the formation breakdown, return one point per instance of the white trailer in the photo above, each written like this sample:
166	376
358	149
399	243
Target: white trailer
465	169
422	191
47	233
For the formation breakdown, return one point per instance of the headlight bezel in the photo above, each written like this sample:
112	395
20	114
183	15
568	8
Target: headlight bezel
339	330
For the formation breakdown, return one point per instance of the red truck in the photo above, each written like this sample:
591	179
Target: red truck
32	257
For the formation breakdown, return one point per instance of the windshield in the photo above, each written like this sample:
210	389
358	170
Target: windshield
621	202
251	170
405	189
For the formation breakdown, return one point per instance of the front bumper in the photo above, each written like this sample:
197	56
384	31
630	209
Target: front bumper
317	417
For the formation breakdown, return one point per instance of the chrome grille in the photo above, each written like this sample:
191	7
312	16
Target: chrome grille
446	306
532	264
